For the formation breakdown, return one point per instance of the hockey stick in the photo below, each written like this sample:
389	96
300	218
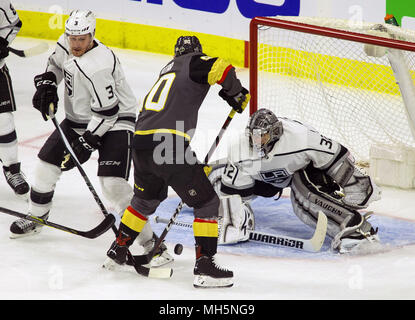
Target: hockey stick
81	170
147	272
33	51
91	234
146	258
313	244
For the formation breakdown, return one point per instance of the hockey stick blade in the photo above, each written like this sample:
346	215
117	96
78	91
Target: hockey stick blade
34	51
313	244
157	273
106	224
316	242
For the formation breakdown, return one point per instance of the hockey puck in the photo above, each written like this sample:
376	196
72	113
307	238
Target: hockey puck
178	249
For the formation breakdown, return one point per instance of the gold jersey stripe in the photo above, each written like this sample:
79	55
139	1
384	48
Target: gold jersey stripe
205	228
172	131
217	71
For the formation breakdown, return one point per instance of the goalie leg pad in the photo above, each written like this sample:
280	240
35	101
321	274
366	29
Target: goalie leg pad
236	219
307	200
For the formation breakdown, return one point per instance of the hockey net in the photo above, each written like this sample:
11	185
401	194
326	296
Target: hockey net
335	75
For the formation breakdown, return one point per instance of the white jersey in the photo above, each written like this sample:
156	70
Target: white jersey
97	95
9	23
298	146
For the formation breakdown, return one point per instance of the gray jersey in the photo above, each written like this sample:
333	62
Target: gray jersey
171	107
97	95
298	146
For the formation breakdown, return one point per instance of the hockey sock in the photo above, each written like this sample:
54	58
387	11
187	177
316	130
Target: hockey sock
206	237
132	223
8	139
40	202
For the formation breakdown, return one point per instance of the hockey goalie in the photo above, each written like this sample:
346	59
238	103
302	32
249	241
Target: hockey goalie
277	153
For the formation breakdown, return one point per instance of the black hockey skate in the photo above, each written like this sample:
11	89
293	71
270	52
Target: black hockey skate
209	275
16	180
117	253
23	228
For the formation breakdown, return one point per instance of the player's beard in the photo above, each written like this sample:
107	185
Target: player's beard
79	51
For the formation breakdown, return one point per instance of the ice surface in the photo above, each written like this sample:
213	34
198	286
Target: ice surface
58	265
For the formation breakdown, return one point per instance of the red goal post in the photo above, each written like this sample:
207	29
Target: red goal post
349	67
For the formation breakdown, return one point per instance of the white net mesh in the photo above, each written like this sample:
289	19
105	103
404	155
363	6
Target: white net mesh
334	85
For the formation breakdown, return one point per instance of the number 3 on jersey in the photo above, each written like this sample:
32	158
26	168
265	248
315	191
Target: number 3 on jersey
157	97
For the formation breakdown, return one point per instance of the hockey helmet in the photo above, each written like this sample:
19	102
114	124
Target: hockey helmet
80	23
187	44
263	130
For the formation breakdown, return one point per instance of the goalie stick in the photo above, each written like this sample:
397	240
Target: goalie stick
33	51
313	244
142	270
91	234
146	258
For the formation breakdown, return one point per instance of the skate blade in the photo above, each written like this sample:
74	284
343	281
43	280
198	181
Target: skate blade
111	265
209	282
25	196
23	235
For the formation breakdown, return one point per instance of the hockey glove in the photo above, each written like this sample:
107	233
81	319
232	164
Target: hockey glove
85	145
239	101
46	93
4	50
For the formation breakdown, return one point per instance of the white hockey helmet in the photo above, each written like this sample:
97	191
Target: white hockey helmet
80	23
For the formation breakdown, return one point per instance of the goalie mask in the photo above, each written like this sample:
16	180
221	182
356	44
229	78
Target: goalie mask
80	23
263	130
187	44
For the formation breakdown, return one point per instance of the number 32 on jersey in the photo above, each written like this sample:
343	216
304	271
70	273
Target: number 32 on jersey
157	97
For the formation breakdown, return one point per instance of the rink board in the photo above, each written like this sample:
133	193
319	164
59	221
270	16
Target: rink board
277	217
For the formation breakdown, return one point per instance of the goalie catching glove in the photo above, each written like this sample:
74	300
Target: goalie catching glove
46	93
312	190
359	190
238	101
